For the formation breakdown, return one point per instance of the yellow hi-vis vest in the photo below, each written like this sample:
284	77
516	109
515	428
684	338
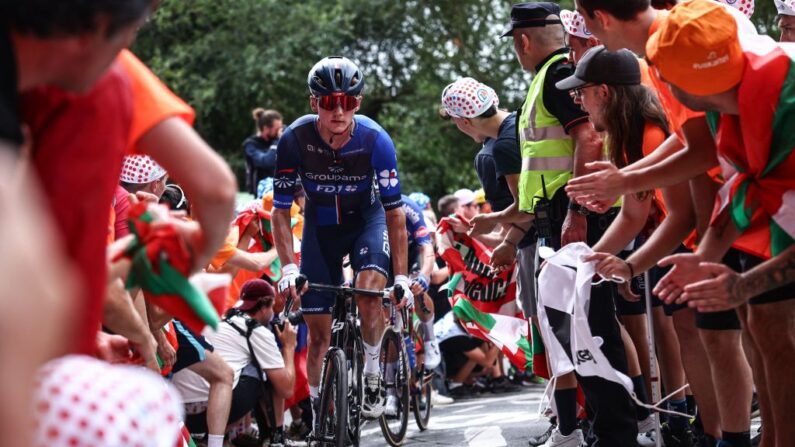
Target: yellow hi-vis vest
546	148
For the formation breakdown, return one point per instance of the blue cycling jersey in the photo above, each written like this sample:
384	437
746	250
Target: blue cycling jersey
418	233
336	182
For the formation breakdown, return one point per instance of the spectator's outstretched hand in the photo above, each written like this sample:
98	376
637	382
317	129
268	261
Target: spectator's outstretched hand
116	349
482	224
686	270
605	184
720	292
502	257
458	225
166	353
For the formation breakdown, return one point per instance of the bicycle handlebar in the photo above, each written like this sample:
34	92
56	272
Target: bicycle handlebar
301	281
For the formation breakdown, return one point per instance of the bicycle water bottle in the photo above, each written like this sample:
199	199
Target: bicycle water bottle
410	351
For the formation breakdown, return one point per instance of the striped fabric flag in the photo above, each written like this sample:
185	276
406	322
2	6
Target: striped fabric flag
482	300
161	263
184	439
509	334
488	291
264	239
756	148
564	294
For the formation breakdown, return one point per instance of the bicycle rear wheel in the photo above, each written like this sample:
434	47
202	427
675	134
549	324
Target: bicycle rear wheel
333	415
421	397
396	382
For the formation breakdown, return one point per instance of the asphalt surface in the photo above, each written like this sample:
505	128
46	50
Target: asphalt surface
489	420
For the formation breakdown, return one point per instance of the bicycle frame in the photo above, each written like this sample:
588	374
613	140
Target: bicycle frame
344	335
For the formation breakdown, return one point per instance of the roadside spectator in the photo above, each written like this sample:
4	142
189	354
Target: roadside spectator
139	173
260	148
447	205
467	206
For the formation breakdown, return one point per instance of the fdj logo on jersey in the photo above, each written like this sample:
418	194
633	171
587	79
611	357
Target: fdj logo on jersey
336	189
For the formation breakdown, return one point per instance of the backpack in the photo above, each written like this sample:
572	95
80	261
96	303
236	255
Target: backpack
267	419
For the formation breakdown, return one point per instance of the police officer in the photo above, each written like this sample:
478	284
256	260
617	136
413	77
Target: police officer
556	141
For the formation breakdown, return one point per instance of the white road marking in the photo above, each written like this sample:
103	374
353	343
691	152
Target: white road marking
485	437
476	407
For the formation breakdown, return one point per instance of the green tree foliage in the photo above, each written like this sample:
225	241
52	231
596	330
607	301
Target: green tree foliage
226	57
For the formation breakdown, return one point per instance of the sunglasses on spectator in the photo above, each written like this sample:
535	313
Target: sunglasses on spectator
576	93
331	102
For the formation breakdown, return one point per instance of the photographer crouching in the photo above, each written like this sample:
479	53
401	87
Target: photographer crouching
246	341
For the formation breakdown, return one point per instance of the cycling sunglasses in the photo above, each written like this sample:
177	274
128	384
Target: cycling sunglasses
331	102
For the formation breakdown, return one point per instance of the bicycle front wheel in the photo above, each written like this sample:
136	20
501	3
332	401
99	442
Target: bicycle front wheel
421	397
333	415
395	369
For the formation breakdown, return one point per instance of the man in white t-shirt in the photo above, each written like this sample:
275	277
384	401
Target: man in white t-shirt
255	310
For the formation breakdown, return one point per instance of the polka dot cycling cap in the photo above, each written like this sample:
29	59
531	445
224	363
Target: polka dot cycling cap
139	169
574	24
744	6
786	7
468	98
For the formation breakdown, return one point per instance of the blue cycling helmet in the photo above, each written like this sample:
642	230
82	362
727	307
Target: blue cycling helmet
420	199
335	74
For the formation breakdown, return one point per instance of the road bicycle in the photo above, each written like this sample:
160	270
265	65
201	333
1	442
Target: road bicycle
341	389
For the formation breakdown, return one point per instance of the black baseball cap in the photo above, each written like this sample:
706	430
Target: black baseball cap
532	15
599	66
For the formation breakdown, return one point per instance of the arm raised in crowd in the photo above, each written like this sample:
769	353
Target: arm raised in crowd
587	148
727	289
659	170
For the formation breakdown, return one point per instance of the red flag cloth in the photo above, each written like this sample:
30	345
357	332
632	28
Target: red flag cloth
161	263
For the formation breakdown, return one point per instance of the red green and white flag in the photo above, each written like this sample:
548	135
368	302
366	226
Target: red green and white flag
264	239
509	334
756	148
482	300
184	437
161	263
488	291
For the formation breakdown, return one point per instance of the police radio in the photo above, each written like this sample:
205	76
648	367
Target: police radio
543	221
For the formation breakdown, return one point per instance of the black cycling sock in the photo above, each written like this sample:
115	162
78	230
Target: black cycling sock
691	404
698	426
640	391
677	423
566	402
737	439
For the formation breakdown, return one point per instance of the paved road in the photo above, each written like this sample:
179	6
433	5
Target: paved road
491	420
486	421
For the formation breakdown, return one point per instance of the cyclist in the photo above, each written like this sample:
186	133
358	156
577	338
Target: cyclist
336	155
421	260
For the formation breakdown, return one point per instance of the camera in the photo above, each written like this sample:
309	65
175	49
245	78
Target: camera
295	318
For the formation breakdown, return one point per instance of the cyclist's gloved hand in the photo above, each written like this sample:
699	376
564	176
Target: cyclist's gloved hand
408	297
423	281
287	283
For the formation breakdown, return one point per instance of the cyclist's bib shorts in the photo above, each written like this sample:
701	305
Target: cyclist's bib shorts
363	236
